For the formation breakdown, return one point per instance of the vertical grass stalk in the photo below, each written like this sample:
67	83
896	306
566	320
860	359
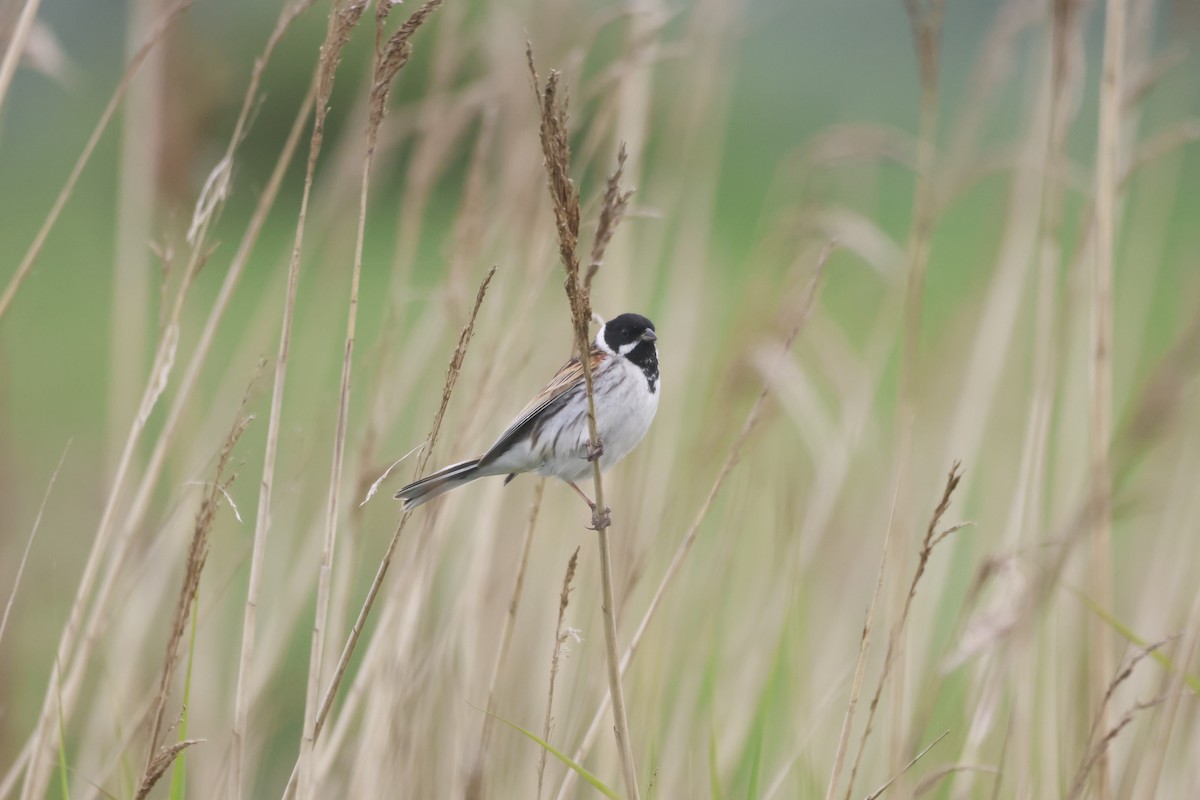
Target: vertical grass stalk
342	19
391	55
1100	416
565	198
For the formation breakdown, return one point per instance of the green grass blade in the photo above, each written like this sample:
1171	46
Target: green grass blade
756	757
179	768
62	745
714	777
583	773
1128	634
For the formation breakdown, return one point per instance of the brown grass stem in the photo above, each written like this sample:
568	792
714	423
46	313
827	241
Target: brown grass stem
391	54
860	663
608	611
154	466
1049	322
114	102
140	504
932	537
158	765
560	641
237	266
219	186
1097	745
342	19
612	210
475	782
993	367
196	558
37	523
685	545
18	38
61	694
141	131
142	495
925	18
875	795
565	200
339	672
1112	86
1150	775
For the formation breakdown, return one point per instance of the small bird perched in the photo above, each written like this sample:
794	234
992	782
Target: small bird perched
551	437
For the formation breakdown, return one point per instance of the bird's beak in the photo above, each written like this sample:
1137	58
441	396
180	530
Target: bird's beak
649	336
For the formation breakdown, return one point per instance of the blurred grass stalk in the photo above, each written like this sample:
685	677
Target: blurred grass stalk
15	46
141	154
1112	98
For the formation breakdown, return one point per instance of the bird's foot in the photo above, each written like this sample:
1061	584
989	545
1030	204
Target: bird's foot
601	518
594	453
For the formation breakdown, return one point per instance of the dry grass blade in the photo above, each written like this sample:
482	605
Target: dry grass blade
217	185
1098	747
197	556
339	672
879	792
17	40
388	62
342	19
475	782
237	266
860	664
390	58
374	487
163	363
560	641
685	544
616	203
287	16
1151	774
925	18
159	763
927	545
929	782
1100	410
157	459
1157	405
37	523
453	370
429	159
556	154
114	102
72	655
1159	145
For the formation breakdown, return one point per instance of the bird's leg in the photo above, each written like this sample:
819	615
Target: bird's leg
601	517
579	492
594	453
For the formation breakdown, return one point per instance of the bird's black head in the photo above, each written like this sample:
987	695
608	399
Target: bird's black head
633	336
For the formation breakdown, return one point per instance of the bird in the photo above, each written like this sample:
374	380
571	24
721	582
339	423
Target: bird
551	437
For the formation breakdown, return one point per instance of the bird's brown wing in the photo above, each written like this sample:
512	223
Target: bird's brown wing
567	378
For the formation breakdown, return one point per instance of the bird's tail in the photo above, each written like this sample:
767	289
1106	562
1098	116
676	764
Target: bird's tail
439	483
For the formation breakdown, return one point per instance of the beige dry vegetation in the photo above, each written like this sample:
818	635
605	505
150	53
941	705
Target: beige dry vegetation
790	599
